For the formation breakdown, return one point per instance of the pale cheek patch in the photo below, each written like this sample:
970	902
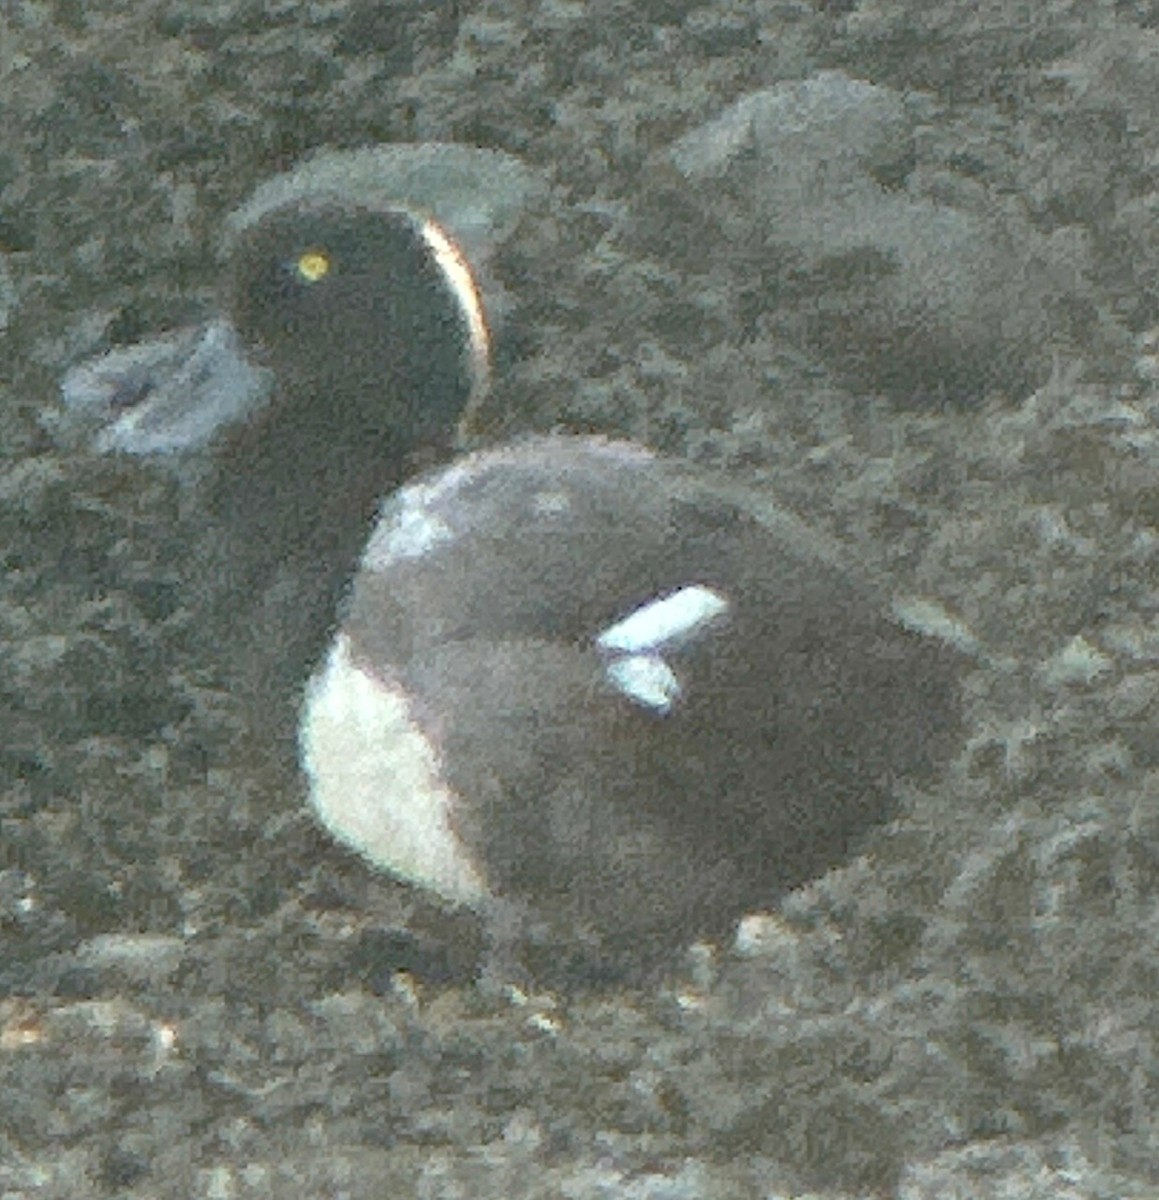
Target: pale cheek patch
635	664
375	782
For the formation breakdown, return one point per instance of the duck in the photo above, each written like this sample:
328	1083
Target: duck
602	698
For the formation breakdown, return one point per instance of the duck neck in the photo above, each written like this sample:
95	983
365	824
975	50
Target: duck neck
290	506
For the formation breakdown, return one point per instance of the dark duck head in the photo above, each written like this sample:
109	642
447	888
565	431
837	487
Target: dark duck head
372	329
566	679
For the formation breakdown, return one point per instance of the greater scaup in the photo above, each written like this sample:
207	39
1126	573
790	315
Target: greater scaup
574	685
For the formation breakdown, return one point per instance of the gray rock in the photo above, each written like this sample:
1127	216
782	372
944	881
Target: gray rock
900	292
8	297
847	126
478	195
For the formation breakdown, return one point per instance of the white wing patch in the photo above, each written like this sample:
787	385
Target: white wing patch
375	781
647	679
674	617
633	646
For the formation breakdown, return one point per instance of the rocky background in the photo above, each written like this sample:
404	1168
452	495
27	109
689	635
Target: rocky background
921	311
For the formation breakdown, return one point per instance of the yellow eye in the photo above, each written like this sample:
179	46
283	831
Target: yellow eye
313	265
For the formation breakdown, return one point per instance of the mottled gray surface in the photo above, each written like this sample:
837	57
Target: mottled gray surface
198	992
